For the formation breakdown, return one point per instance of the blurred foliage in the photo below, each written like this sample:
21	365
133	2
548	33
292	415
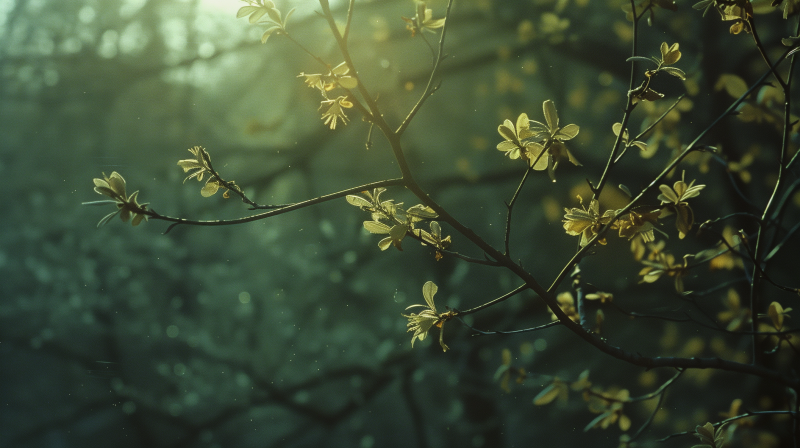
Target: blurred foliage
288	331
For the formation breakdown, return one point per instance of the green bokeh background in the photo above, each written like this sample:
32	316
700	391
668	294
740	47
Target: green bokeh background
287	332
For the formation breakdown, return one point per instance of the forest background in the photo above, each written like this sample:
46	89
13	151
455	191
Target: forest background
288	331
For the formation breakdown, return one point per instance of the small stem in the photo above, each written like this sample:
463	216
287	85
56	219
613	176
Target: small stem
728	420
760	46
524	330
176	221
502	298
629	106
510	207
691	147
429	88
349	20
757	269
661	389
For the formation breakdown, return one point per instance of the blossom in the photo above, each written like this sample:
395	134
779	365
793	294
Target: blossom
550	149
709	436
128	207
396	233
335	110
675	200
587	222
514	144
434	238
664	264
610	407
777	313
567	305
423	20
421	323
336	77
202	165
639	224
400	221
257	9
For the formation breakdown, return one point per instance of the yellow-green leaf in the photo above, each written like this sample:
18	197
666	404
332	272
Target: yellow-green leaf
209	189
547	395
376	227
776	314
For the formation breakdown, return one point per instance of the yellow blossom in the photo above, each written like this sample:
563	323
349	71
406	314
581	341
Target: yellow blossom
675	200
128	207
587	222
423	20
421	323
549	149
334	111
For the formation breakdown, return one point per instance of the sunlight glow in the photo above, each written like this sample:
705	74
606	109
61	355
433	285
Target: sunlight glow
231	6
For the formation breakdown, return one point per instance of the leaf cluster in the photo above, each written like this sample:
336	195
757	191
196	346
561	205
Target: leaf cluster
608	404
421	323
423	20
201	165
390	218
128	206
541	145
670	54
709	436
265	12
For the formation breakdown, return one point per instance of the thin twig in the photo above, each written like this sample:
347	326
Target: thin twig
502	298
728	420
429	88
510	207
296	206
524	330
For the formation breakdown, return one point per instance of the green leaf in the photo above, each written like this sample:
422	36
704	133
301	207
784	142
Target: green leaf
348	82
358	201
385	243
209	189
376	227
705	433
420	212
436	229
398	232
506	130
596	420
137	219
429	290
268	33
257	15
288	14
639	59
547	395
103	202
107	218
246	10
569	131
674	71
667	195
550	114
501	370
274	14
